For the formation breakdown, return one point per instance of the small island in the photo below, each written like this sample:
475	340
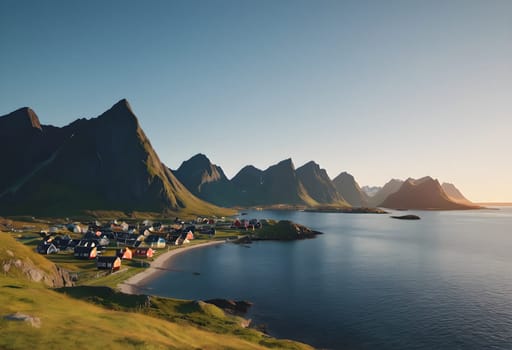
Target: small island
346	210
272	230
406	217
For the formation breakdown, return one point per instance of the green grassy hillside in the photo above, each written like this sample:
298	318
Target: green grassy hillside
67	323
89	317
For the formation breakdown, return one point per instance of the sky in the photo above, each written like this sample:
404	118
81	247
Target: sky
381	89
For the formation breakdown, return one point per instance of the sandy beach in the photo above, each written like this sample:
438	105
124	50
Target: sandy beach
133	285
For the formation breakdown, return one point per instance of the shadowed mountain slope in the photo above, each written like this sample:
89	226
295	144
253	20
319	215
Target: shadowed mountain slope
318	185
104	163
425	193
278	184
206	181
24	145
390	187
455	194
350	190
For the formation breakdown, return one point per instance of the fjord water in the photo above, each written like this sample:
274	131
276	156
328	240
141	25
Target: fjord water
369	282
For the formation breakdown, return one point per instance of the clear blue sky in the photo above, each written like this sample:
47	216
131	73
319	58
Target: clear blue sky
381	89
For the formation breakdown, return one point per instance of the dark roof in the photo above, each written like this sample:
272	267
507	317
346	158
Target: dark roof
142	248
110	259
81	249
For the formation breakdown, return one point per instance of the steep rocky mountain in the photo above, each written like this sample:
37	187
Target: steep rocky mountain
206	181
24	145
455	194
104	163
350	190
318	185
390	187
278	184
425	193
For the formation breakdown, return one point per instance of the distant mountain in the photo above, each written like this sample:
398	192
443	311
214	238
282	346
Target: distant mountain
454	194
390	187
425	193
371	190
350	190
318	185
206	181
279	184
105	163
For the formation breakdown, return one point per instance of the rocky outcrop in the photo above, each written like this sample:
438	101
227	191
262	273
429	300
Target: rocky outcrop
231	306
20	261
283	230
18	316
55	278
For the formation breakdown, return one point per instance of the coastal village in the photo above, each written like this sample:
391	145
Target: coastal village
102	262
112	243
114	246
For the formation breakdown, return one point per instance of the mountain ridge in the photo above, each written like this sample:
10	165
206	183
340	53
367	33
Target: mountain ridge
107	163
347	186
319	186
422	194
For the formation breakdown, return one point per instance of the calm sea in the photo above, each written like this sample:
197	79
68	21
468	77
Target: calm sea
369	282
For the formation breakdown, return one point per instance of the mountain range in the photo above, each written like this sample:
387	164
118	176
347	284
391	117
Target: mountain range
310	186
104	163
108	163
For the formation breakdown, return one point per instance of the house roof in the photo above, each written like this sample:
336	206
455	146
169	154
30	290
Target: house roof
107	258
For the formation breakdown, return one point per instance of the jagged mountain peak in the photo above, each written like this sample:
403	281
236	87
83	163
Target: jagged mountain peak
197	171
318	185
424	193
120	114
250	169
346	176
348	187
311	164
114	167
198	160
288	162
123	104
20	119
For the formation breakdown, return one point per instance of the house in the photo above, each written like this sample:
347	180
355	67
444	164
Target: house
125	253
85	252
91	243
46	247
112	263
143	252
155	241
61	242
184	238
